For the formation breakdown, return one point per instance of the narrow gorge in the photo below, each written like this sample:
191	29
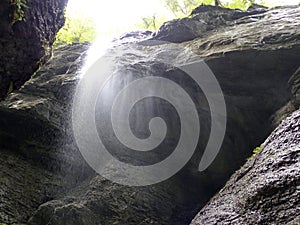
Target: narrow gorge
254	56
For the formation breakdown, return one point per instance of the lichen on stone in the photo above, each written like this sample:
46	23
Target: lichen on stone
18	13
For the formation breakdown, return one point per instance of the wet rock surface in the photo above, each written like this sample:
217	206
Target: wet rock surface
254	58
26	38
266	189
34	166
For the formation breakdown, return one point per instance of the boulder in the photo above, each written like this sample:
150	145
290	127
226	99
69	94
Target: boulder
200	21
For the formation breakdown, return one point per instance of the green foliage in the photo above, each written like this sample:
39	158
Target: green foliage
238	4
255	151
18	13
10	89
242	4
181	8
76	30
151	23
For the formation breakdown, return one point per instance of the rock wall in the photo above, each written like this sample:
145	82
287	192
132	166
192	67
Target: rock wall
26	39
266	189
35	168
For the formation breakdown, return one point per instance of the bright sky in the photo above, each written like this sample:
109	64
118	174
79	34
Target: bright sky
114	17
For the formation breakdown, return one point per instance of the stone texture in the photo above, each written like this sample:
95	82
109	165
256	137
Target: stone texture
26	44
266	189
34	169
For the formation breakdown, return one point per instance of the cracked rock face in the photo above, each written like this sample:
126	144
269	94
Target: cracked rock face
266	189
26	44
254	56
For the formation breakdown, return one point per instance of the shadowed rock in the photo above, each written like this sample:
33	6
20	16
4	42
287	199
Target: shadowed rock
26	40
266	189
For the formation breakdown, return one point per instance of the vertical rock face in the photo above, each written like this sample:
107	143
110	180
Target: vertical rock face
34	165
26	37
266	189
